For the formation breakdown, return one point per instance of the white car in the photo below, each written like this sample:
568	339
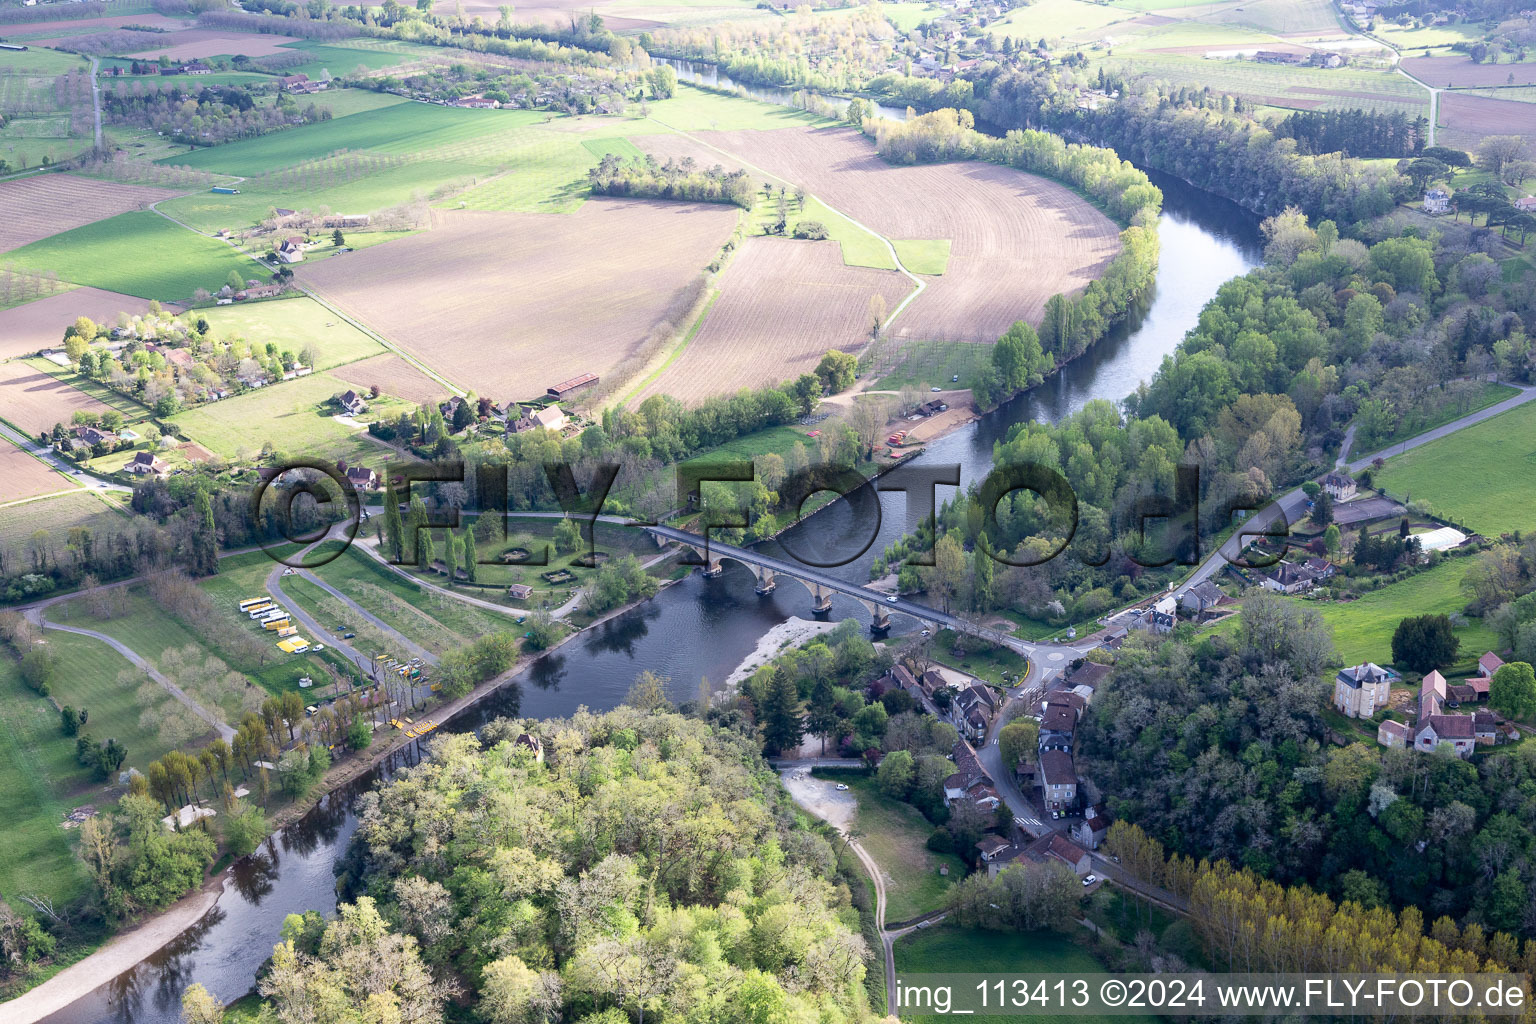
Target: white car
935	390
1089	880
892	599
841	788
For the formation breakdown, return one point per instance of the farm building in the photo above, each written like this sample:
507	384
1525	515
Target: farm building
550	418
290	82
292	249
565	387
520	591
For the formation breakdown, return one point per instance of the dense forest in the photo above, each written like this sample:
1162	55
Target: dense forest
599	869
1355	132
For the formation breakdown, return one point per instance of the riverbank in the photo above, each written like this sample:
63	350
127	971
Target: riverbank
791	633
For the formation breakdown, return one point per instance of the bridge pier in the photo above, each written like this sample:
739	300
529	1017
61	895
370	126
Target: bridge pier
713	570
879	620
767	582
821	600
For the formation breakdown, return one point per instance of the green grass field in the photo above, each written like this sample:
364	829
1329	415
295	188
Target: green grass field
1362	629
56	515
339	58
1280	85
949	950
401	128
292	324
1480	476
860	247
923	364
923	255
293	416
893	834
140	254
695	110
547	171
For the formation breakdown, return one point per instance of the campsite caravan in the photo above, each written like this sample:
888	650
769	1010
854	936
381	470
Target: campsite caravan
257	611
252	602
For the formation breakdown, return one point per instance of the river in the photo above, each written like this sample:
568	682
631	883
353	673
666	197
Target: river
696	628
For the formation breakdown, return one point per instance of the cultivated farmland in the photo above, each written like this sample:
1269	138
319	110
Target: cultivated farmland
1465	120
22	476
792	298
510	303
38	325
1016	239
46	204
199	42
139	254
1460	73
394	376
35	401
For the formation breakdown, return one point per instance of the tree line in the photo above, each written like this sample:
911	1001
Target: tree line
647	178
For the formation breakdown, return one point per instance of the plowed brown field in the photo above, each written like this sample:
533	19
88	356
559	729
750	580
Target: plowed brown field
1460	73
511	303
1467	120
394	376
38	325
782	304
1016	239
22	476
46	204
35	401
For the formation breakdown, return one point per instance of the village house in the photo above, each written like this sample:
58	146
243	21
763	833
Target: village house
197	67
1058	779
1393	734
145	463
1361	690
1433	726
1525	204
362	478
1059	848
528	741
352	403
1090	832
971	711
519	591
1340	487
970	781
1320	568
549	418
990	846
1085	679
1161	617
291	82
94	436
1437	200
1287	578
291	250
1200	598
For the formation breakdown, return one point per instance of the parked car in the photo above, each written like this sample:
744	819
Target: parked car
348	636
1089	880
935	390
955	379
841	788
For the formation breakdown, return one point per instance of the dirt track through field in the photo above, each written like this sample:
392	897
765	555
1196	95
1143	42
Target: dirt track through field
47	204
782	305
511	303
1016	239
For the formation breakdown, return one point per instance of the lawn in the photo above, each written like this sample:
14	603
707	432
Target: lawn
923	255
923	364
295	417
140	253
894	834
693	109
293	324
345	102
1480	476
546	171
1362	629
949	950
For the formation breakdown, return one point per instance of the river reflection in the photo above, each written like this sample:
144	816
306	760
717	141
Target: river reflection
695	628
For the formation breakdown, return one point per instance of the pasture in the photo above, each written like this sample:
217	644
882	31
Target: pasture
547	171
924	256
57	515
509	303
1296	88
34	401
895	834
46	204
794	298
294	417
1480	476
24	476
951	950
1362	629
401	128
1015	239
40	324
294	323
140	254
